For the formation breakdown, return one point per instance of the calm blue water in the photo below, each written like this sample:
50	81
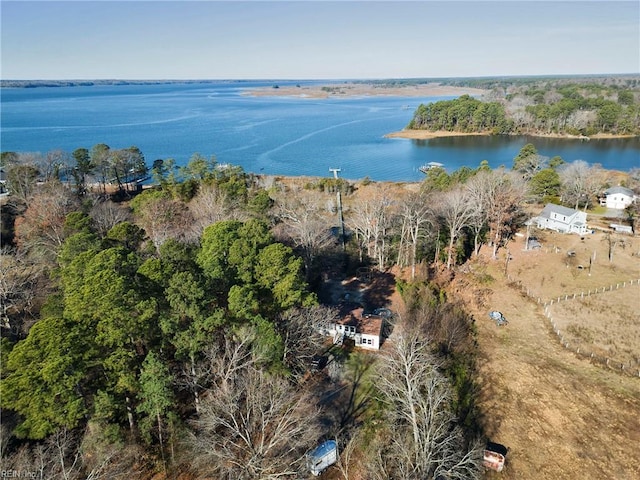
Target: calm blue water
283	136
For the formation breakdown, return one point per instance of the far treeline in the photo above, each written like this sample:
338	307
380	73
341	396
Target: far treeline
539	107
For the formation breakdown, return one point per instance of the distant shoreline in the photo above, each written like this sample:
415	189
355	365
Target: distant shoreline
428	134
353	89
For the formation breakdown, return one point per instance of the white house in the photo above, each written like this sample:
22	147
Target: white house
364	329
562	219
618	198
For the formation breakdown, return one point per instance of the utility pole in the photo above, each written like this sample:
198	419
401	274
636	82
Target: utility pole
340	217
506	263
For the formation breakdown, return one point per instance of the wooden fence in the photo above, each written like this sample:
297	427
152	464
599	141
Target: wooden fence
580	350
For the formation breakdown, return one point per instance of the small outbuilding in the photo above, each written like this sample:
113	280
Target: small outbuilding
621	228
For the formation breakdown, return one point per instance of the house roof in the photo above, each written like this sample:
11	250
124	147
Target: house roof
365	323
370	325
624	190
559	209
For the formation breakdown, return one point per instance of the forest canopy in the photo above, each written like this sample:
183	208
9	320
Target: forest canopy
539	107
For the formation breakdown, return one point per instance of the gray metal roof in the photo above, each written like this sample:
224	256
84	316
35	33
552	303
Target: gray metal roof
619	189
559	209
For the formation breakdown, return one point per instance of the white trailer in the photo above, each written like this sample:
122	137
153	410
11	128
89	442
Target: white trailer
494	456
322	457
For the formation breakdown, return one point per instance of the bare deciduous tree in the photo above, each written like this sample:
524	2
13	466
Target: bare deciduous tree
164	218
53	164
22	175
371	219
345	461
417	215
107	214
499	194
614	241
210	205
252	424
220	363
302	334
426	442
580	182
40	230
18	285
64	455
305	225
456	211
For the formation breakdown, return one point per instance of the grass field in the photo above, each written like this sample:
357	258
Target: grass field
560	415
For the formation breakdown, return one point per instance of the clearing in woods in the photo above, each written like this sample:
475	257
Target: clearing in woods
561	416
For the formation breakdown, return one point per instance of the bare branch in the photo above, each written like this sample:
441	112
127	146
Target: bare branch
252	425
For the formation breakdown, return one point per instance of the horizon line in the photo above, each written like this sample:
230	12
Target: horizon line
315	79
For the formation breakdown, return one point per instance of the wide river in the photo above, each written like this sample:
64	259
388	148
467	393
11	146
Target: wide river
265	134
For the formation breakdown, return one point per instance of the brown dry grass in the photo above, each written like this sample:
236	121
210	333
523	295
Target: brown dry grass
605	324
561	416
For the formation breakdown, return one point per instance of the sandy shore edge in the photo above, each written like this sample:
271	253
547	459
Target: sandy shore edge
427	134
346	90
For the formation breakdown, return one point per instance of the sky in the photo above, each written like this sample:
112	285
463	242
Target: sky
138	40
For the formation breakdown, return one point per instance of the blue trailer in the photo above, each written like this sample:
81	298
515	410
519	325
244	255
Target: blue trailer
322	457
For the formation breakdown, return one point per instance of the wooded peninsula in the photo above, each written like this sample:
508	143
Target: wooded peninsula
539	106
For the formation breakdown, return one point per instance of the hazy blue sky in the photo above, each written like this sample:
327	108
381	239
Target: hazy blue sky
312	39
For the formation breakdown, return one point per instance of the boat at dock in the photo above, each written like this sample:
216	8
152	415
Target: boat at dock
430	166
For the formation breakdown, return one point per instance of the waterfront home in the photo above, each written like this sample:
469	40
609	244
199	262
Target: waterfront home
363	328
562	219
